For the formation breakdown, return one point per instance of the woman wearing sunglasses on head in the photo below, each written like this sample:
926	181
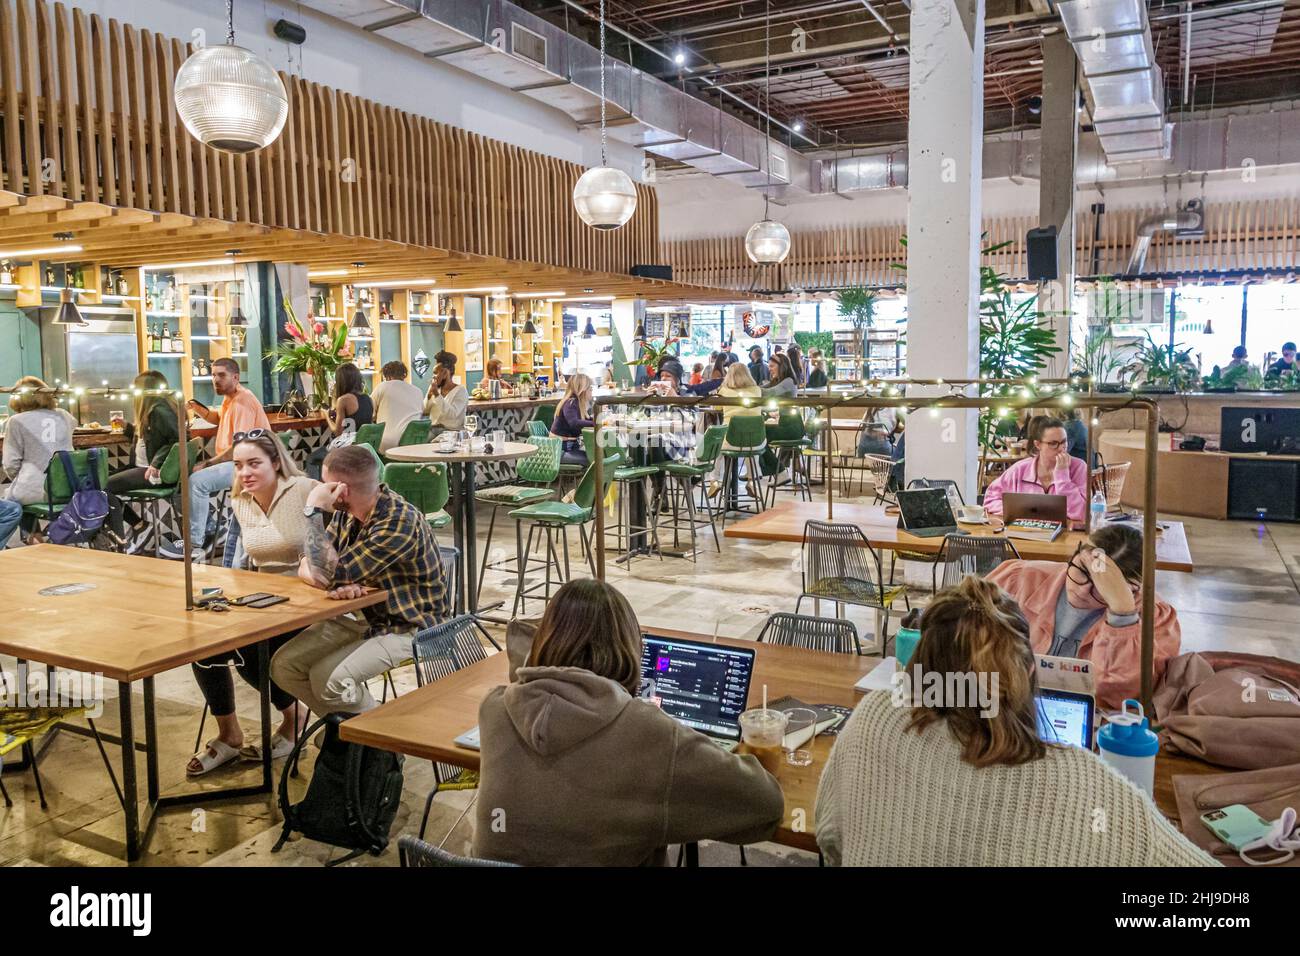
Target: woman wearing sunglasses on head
1091	608
1049	470
268	498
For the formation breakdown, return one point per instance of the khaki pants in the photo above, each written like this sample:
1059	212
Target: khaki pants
327	665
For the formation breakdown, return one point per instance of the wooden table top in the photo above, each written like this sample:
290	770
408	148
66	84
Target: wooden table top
133	623
424	722
786	522
429	452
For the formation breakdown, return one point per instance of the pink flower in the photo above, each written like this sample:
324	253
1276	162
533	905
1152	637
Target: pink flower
317	328
292	330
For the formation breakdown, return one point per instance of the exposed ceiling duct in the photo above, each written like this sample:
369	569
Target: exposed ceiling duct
501	42
1239	142
1125	88
1183	223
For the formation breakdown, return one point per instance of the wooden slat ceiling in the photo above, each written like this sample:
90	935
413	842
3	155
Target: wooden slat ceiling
90	143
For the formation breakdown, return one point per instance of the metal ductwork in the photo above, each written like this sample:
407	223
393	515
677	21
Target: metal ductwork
501	42
1125	88
1204	145
1184	224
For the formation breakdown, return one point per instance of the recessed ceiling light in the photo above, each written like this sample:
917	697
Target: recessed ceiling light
798	126
679	57
41	251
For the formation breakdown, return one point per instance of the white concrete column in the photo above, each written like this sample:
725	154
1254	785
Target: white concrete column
945	158
627	315
1060	138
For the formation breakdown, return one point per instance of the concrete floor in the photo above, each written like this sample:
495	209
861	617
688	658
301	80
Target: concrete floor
1243	596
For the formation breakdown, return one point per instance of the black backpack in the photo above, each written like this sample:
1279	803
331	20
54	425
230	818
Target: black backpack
352	798
84	514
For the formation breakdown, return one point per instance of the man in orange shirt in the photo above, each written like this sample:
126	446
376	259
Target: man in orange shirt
240	412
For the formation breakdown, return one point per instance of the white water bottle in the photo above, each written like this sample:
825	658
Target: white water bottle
1128	744
1098	509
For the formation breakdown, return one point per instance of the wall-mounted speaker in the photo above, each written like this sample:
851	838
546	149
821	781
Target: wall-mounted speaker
1041	245
290	32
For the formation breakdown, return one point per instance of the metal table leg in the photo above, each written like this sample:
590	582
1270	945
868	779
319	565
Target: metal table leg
458	530
131	803
468	554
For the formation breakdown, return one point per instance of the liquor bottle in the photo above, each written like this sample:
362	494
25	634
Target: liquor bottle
177	344
148	298
49	274
204	368
7	272
194	368
122	287
166	338
108	282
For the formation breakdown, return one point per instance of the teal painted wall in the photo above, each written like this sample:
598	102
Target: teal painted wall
474	320
425	338
20	343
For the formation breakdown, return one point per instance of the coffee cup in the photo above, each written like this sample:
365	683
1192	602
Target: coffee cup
973	513
763	732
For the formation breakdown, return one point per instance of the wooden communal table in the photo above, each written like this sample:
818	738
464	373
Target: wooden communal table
129	623
461	465
785	522
424	723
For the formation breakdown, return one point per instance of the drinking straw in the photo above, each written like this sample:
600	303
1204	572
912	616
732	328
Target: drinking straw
765	697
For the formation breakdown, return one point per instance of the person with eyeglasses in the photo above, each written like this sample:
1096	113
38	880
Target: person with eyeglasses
240	411
1049	470
268	498
1090	608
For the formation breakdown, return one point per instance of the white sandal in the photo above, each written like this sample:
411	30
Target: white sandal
281	746
218	753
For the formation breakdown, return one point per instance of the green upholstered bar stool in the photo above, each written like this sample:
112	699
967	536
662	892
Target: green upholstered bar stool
58	492
423	484
545	414
537	428
680	478
416	432
553	519
628	474
539	470
169	476
370	435
746	440
787	439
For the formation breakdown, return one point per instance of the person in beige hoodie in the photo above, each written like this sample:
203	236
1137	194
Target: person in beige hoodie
577	771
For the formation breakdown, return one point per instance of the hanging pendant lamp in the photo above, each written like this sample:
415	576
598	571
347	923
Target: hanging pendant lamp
237	319
230	98
360	321
604	197
453	323
768	241
69	314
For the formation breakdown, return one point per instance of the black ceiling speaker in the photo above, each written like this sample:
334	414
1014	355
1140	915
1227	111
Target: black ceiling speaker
290	32
1041	245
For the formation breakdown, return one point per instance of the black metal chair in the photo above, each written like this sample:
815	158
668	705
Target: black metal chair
414	852
438	651
922	557
840	565
963	554
834	635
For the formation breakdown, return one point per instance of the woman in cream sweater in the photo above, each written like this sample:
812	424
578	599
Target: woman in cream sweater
268	500
942	785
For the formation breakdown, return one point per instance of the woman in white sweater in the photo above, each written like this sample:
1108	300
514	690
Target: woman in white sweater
941	785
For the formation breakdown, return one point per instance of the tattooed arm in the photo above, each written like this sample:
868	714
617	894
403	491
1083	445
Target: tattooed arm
320	557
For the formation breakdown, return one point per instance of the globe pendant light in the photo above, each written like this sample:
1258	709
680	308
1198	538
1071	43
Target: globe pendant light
228	97
604	197
768	241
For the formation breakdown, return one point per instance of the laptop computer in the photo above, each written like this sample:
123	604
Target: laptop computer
704	686
926	513
1035	508
1066	717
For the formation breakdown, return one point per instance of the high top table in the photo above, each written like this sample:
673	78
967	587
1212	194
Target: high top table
124	617
785	522
461	465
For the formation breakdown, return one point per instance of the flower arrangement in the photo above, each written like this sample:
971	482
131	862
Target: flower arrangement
312	350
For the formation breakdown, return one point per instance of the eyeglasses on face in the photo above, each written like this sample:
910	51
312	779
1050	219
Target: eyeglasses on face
1054	444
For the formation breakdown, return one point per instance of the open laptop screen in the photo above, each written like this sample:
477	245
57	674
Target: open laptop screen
1065	717
705	686
925	508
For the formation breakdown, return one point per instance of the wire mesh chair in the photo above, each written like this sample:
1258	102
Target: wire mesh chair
1109	480
438	651
840	565
414	852
944	483
882	476
963	554
835	635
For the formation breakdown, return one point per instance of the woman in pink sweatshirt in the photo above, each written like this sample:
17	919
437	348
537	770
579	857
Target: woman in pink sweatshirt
1048	471
1090	608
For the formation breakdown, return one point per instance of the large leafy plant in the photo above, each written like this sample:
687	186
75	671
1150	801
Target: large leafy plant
1098	355
858	305
652	354
313	349
1163	366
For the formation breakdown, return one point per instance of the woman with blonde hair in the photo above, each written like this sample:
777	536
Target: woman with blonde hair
950	768
38	429
573	415
268	499
150	436
588	773
737	383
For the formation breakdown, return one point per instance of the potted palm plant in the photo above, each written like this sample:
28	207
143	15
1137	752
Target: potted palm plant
1163	369
858	304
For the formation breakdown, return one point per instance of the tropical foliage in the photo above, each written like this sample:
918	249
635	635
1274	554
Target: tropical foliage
1158	366
314	350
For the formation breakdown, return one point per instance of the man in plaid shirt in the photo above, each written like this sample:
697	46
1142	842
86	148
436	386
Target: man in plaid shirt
374	539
